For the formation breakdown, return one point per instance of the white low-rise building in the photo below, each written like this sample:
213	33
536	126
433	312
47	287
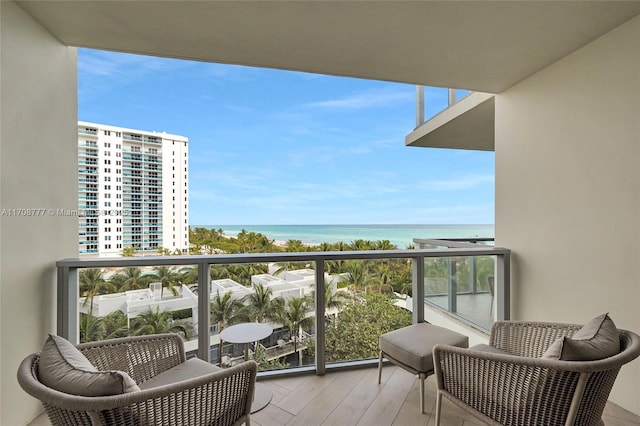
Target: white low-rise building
135	302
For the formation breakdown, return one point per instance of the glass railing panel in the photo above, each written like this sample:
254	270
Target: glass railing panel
437	280
431	101
278	295
129	301
474	297
364	299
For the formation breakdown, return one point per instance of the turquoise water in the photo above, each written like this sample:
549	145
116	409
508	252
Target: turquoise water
400	235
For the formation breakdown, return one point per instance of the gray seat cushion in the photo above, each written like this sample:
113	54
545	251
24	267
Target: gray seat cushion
190	369
413	345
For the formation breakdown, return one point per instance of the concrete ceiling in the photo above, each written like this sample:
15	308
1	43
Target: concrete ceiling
477	45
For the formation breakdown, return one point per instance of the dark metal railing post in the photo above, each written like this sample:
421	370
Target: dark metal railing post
503	287
473	275
67	312
204	314
320	312
453	286
417	289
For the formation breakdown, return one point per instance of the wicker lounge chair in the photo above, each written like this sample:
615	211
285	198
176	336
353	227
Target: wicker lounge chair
508	382
214	397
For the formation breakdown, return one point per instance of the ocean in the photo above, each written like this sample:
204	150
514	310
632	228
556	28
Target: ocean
400	235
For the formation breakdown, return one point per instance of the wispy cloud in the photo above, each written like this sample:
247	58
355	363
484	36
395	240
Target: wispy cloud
369	99
111	64
461	183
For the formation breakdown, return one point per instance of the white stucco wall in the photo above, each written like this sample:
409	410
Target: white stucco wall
38	163
568	190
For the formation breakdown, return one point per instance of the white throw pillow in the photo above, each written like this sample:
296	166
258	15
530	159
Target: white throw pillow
64	368
597	339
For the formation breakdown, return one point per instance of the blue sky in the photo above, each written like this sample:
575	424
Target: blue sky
280	147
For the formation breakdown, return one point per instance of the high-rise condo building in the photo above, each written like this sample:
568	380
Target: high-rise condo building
132	191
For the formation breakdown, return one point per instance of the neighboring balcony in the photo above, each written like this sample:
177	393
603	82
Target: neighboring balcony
466	122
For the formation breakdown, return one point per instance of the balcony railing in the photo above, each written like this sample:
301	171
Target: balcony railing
464	286
419	259
437	104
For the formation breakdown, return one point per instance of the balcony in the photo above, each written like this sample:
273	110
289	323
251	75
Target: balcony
88	131
466	121
344	392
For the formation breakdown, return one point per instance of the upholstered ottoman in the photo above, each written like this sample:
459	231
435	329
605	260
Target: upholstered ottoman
412	349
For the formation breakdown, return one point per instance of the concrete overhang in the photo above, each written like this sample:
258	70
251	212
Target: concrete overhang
468	124
484	46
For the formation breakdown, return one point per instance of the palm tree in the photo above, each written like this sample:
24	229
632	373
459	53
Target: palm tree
385	245
129	251
156	322
164	251
130	279
356	277
167	276
92	283
189	275
260	304
295	246
242	239
383	276
294	317
217	272
334	300
116	324
226	310
92	328
288	266
252	269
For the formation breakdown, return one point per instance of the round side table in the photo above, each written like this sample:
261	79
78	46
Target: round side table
246	333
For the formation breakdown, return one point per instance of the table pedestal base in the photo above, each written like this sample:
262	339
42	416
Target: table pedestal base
261	397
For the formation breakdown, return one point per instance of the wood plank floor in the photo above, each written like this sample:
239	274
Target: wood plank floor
354	398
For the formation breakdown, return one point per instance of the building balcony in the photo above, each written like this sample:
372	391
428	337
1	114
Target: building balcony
82	234
85	189
466	122
88	132
131	166
88	144
89	251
